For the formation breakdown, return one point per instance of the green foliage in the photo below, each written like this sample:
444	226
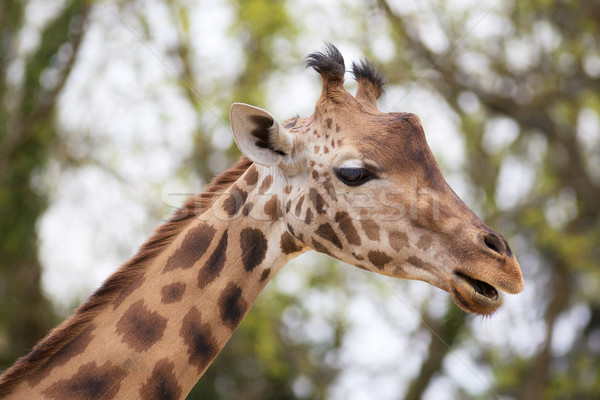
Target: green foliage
28	136
259	24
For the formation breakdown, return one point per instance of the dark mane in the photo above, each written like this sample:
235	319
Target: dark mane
329	64
120	280
366	70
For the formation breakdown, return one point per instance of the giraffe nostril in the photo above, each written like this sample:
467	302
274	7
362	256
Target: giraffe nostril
493	242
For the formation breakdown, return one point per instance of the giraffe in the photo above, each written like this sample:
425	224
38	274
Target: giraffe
349	181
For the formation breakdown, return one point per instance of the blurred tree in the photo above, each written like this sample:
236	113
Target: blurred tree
30	84
539	68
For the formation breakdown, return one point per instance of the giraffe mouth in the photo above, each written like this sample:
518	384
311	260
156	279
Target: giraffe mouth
481	287
474	295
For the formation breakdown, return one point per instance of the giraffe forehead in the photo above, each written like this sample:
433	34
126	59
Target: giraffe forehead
401	149
394	132
353	125
388	140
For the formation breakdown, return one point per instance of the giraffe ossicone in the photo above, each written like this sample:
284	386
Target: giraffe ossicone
348	181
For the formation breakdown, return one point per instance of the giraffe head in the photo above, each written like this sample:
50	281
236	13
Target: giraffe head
364	187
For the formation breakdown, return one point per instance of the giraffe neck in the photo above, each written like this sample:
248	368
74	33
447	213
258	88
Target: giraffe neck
158	337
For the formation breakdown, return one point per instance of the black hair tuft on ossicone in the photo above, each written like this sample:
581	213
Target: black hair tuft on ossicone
330	64
366	70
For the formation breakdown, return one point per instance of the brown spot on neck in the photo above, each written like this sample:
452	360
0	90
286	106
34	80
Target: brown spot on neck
172	293
235	201
254	247
289	244
214	264
251	176
90	383
272	209
232	306
202	346
265	185
162	384
140	327
193	247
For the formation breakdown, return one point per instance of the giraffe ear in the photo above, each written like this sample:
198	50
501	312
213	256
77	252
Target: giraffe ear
259	136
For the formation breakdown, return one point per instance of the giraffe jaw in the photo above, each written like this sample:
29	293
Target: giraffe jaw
473	295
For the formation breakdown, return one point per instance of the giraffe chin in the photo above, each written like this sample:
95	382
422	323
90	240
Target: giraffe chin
473	295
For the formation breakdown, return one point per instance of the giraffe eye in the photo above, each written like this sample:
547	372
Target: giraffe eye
353	176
